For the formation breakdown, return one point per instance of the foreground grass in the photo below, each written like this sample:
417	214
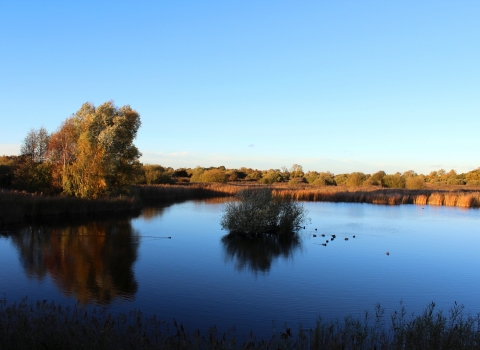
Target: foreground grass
44	325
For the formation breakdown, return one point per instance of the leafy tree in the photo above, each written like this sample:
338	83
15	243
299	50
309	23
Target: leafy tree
214	175
340	179
296	171
355	179
254	175
394	181
375	179
271	176
415	182
102	159
31	176
156	174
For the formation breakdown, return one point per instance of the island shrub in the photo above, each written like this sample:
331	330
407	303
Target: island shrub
258	211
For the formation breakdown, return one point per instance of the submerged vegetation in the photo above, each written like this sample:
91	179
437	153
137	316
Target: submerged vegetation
258	211
46	325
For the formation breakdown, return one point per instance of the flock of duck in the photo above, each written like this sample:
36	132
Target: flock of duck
332	238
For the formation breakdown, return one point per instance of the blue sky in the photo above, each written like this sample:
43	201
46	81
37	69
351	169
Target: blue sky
336	86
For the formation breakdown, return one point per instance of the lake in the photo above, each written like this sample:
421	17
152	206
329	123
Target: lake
202	277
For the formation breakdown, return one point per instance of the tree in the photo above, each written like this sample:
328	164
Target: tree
35	144
96	150
355	179
296	170
394	181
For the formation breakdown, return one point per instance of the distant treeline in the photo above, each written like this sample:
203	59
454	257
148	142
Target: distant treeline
157	174
23	174
92	155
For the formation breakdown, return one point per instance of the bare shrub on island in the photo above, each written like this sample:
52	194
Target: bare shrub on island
258	211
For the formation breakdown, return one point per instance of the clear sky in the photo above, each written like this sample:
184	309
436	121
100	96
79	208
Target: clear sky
336	86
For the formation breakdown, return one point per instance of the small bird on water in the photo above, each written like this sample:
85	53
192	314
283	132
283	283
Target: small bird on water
387	253
346	238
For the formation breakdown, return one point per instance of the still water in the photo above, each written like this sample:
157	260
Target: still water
202	277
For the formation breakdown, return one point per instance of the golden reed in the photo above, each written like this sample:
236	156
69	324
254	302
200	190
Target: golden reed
464	199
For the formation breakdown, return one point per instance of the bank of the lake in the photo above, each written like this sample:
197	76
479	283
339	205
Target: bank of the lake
20	206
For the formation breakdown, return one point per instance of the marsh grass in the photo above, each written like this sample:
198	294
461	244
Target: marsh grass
159	193
46	325
18	206
465	199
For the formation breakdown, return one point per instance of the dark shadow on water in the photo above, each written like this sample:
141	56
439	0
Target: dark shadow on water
257	252
90	261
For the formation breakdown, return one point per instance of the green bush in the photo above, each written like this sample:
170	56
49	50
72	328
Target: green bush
394	181
257	211
355	179
213	175
415	183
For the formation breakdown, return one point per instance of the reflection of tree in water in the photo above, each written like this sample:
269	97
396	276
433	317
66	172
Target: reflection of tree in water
257	251
94	261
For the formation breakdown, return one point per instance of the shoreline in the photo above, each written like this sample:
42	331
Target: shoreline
16	206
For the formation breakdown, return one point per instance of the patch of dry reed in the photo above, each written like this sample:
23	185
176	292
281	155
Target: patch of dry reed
381	196
16	206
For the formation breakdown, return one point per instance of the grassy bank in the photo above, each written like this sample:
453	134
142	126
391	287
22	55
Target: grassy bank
18	206
45	325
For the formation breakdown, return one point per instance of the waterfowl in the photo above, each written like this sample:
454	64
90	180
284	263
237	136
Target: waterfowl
315	229
324	244
353	236
346	238
314	235
387	253
333	236
323	235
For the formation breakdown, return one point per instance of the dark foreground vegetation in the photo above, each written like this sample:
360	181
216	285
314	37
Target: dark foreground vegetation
46	325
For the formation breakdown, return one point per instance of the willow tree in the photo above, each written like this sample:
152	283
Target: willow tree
95	150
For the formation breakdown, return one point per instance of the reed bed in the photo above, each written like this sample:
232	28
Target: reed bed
186	191
18	206
46	325
381	196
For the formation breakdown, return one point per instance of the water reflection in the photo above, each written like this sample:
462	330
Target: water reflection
257	252
92	262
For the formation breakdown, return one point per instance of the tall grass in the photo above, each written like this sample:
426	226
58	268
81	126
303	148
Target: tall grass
18	206
185	191
382	196
46	325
